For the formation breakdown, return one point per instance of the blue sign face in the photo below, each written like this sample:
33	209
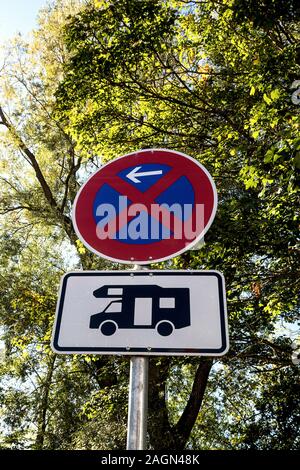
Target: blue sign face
144	228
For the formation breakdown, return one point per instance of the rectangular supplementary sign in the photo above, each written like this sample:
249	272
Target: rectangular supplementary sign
141	313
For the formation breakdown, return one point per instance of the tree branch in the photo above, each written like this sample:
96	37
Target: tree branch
31	157
17	208
73	169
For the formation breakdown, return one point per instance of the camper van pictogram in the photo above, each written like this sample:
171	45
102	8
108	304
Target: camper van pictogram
142	306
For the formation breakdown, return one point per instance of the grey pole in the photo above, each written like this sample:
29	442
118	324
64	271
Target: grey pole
137	403
138	399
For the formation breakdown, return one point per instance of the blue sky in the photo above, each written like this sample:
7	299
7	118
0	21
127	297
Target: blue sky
18	16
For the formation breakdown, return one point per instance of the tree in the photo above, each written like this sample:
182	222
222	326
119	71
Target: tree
42	397
210	79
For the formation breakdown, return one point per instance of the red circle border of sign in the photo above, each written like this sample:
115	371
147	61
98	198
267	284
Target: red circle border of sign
84	218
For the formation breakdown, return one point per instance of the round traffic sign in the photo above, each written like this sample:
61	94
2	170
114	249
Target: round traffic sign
147	206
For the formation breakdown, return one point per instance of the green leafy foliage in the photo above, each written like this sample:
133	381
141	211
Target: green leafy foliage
211	79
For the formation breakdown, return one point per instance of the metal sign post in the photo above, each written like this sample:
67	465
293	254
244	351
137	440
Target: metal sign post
137	403
138	398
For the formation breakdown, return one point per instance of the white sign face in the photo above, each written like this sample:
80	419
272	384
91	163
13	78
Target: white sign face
142	313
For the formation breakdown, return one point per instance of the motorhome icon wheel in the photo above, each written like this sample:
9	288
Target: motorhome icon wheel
142	306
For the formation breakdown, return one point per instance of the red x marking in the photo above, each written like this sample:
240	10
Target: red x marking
147	199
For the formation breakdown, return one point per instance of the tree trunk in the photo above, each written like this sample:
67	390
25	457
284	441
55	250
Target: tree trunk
42	415
185	424
159	429
162	435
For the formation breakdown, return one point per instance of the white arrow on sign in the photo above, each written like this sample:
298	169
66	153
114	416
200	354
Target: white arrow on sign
134	174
